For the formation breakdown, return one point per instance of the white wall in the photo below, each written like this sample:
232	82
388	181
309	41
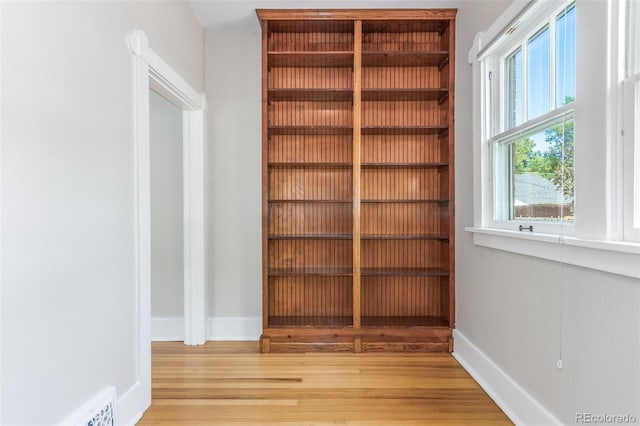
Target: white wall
67	196
235	147
525	314
167	263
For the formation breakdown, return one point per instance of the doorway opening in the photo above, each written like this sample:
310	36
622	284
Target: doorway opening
152	72
167	227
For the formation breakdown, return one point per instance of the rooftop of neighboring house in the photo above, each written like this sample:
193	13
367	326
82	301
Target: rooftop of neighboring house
531	188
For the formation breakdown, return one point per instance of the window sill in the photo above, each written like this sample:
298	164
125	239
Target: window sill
616	257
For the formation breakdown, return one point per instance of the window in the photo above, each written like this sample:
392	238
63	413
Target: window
631	122
533	150
535	117
538	73
513	77
537	173
565	56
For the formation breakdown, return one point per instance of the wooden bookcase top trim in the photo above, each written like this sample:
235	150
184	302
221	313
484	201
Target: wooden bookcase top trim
354	14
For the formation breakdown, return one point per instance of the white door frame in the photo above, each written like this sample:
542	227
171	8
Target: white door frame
150	71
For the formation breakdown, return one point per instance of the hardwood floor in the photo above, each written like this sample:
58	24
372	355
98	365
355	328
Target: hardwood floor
230	383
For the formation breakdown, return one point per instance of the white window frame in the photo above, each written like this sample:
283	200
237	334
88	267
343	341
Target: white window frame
499	132
598	242
630	111
631	167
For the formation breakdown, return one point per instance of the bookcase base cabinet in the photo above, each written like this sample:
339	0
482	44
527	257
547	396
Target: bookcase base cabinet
358	180
300	340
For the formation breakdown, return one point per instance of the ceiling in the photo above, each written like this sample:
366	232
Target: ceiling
230	15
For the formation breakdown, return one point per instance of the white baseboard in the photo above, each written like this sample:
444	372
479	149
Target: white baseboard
517	404
132	405
234	328
167	329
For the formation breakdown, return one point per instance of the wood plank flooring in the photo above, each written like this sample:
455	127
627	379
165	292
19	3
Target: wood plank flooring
230	383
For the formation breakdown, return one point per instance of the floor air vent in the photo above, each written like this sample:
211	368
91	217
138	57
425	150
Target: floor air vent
105	417
99	411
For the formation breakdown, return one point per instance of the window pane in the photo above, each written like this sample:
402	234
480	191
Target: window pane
636	167
542	185
633	38
513	70
566	56
538	74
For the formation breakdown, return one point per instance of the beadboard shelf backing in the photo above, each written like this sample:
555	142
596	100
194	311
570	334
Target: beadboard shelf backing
358	189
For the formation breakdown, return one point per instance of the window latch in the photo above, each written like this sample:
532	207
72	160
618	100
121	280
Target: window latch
526	228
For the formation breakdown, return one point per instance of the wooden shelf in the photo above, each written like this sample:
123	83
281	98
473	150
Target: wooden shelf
310	26
392	58
330	95
404	321
311	237
311	272
402	165
310	130
405	237
404	94
403	130
311	165
288	200
403	272
310	321
403	26
404	200
311	59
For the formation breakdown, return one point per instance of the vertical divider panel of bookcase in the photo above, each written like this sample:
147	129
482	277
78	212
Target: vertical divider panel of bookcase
265	177
451	190
357	95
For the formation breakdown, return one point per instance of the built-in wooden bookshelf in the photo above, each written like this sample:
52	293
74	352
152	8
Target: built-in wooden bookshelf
358	180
